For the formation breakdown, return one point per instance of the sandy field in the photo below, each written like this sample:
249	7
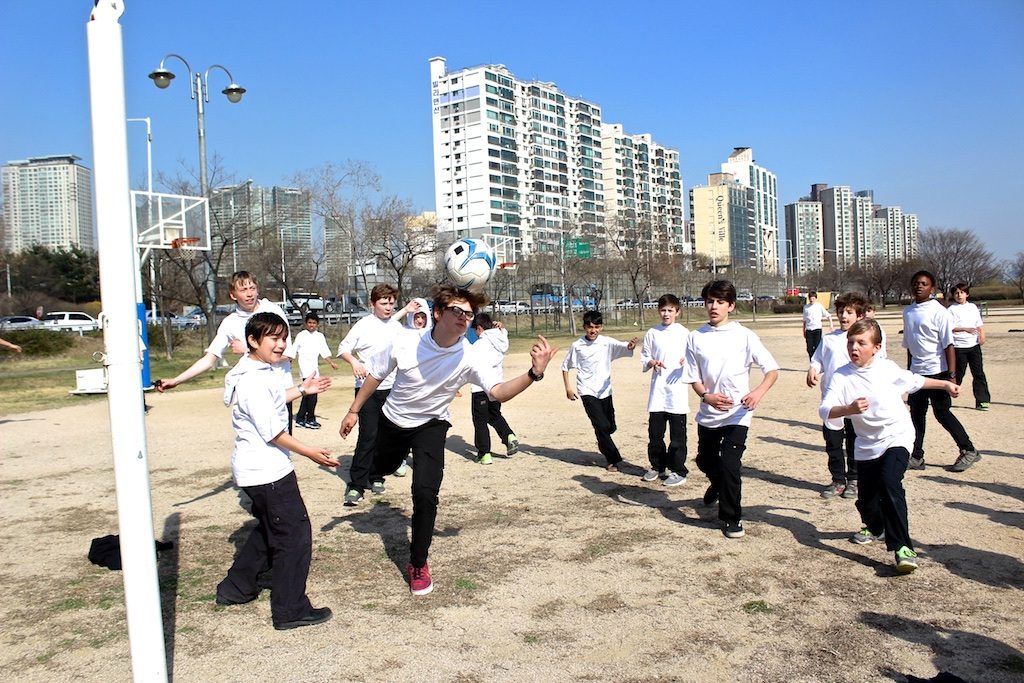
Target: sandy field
546	567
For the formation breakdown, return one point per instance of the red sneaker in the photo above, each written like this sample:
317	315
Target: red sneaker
419	579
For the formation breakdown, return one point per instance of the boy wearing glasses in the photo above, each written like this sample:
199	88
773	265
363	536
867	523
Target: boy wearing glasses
428	368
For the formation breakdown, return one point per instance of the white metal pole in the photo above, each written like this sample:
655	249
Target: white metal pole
121	340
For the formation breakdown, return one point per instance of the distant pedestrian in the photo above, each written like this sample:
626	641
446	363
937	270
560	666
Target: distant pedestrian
968	338
490	348
814	313
309	347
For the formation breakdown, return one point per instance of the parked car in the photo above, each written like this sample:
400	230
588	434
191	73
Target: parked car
69	321
178	322
513	307
18	322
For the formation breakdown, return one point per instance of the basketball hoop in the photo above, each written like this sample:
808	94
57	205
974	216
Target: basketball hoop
185	246
508	265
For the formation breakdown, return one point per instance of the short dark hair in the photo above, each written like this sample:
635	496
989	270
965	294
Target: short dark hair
444	295
312	316
719	289
963	287
868	325
482	320
810	294
853	300
262	324
668	300
383	291
593	318
926	273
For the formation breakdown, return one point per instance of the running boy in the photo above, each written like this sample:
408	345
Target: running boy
928	339
869	391
262	466
309	347
968	337
370	335
591	357
491	346
831	355
814	313
718	359
428	367
663	352
869	312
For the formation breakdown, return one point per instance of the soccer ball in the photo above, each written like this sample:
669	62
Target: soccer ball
469	263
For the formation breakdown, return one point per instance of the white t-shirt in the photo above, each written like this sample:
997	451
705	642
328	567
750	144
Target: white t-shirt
233	327
490	349
886	423
592	361
368	337
813	314
253	390
309	348
882	353
830	355
965	315
426	376
927	331
669	390
720	358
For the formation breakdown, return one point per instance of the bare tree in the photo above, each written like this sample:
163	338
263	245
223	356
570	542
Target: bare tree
881	278
393	240
955	255
1015	273
630	244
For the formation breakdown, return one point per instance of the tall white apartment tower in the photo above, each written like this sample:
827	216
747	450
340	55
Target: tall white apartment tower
516	163
643	188
741	166
47	202
803	237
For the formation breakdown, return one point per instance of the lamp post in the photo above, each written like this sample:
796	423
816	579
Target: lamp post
789	263
199	91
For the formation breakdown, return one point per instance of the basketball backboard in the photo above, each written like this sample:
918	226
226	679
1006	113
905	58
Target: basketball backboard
170	221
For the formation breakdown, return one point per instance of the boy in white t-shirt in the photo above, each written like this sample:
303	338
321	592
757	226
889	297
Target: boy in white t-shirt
968	337
429	367
663	353
928	339
831	355
869	391
813	314
490	346
262	466
591	357
309	347
369	336
869	312
718	359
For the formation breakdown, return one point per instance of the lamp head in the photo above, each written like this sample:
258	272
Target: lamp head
234	93
162	78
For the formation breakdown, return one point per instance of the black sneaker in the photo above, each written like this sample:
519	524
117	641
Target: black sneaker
377	487
316	615
915	463
313	424
353	497
966	459
734	530
226	602
711	495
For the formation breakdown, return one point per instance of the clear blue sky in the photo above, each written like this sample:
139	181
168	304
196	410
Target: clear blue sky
919	101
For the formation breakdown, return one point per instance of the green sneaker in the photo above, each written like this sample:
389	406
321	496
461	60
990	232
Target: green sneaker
906	560
513	446
864	536
485	459
983	406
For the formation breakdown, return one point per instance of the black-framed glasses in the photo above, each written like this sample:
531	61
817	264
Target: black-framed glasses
460	312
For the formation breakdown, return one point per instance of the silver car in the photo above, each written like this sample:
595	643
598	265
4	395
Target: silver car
18	322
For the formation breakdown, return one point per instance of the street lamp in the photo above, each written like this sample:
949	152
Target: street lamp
789	263
200	93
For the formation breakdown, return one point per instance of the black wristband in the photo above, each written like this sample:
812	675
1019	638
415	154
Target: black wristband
533	375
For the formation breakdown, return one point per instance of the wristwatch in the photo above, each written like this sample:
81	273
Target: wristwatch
302	390
533	375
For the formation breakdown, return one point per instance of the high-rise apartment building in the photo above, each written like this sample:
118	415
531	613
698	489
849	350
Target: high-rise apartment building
722	222
251	217
803	237
742	167
837	226
47	202
643	189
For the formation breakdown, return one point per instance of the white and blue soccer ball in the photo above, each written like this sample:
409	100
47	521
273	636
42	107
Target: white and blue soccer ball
470	263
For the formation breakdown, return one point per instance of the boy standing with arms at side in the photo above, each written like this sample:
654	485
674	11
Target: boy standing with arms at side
663	352
869	391
309	347
429	367
718	359
262	466
491	346
928	339
370	335
968	337
591	357
814	313
831	355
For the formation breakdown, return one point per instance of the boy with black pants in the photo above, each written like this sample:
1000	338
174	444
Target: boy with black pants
429	367
928	339
718	359
591	357
490	347
968	337
310	345
262	466
663	353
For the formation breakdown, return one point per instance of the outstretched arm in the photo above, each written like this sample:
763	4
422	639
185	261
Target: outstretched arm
205	363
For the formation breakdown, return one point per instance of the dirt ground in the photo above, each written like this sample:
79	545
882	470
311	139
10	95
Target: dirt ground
546	567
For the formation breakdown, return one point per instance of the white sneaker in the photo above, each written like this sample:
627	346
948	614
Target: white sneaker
651	475
402	469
